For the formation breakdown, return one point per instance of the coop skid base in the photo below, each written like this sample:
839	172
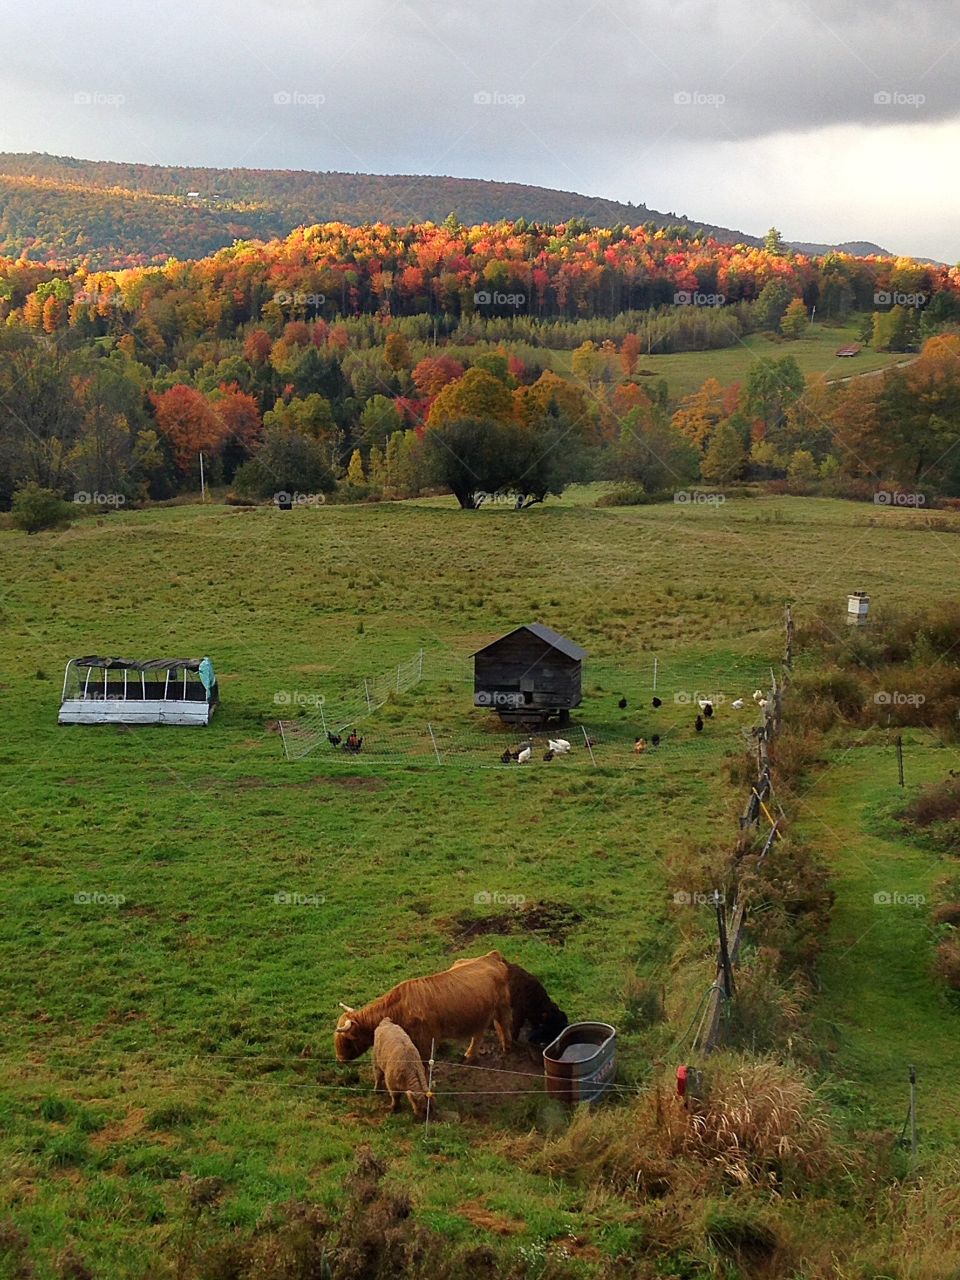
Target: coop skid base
87	711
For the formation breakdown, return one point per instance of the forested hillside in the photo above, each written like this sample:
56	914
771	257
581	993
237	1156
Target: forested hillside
56	208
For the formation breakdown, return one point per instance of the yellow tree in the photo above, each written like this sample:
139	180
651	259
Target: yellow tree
550	394
397	352
698	414
477	394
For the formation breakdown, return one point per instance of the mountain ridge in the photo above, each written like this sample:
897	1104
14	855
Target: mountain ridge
121	213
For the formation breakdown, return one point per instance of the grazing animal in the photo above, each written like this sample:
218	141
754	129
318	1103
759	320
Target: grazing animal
622	704
506	757
698	724
758	694
560	747
737	704
334	739
532	1008
763	704
657	702
458	1003
655	740
548	755
706	706
524	755
398	1067
589	742
640	746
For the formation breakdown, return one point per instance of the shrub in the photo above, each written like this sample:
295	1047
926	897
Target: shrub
624	495
946	964
939	802
34	508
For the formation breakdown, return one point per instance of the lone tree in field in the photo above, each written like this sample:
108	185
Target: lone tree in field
795	320
476	458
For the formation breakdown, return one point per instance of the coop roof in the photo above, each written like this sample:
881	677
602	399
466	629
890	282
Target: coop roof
151	664
553	638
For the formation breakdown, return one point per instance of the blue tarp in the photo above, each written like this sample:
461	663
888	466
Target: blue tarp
207	676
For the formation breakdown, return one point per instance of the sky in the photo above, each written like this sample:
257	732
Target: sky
833	120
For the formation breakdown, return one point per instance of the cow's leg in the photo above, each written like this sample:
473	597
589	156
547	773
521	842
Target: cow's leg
503	1031
471	1052
502	1020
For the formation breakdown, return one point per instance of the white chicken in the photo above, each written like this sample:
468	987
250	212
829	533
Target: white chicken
524	755
737	704
758	695
560	747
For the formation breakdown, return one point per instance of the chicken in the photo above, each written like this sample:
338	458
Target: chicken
559	747
655	740
622	704
524	755
640	746
657	702
334	739
698	724
506	758
548	755
737	704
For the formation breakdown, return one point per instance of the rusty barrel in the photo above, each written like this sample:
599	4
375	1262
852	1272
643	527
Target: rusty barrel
581	1063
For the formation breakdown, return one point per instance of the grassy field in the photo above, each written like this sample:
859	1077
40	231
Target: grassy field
686	371
187	1030
879	1012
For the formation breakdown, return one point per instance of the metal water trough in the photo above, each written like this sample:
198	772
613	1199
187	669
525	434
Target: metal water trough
581	1063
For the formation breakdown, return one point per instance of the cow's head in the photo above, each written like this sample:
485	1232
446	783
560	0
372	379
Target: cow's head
550	1025
351	1037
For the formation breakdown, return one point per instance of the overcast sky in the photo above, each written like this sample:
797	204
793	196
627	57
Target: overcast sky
831	119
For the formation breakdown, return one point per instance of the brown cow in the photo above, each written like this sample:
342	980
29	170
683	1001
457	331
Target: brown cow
397	1067
457	1004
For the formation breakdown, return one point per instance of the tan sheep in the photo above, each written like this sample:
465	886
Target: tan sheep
397	1067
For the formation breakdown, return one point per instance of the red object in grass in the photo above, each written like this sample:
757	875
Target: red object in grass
681	1082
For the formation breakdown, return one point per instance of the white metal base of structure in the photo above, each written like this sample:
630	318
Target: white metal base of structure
134	711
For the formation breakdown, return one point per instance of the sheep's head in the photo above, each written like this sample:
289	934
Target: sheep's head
351	1037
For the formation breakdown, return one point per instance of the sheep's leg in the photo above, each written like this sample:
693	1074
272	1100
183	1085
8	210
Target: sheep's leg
377	1079
394	1100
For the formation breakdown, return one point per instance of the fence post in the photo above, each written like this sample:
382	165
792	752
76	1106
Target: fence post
724	952
913	1111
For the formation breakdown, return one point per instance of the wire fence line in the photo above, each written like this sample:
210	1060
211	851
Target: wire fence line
442	726
730	931
368	695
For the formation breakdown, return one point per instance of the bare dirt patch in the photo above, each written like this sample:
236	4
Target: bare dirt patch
478	1215
549	920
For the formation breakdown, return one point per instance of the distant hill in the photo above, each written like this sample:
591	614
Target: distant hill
859	248
112	214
